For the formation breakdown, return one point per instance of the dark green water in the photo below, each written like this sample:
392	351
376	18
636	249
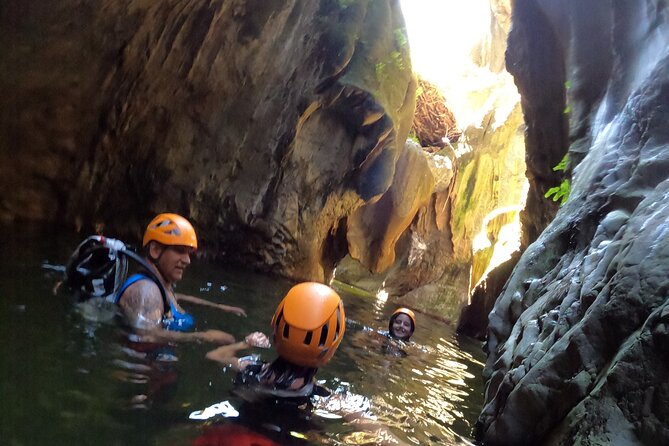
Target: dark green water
65	379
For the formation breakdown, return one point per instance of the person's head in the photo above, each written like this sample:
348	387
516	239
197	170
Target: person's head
402	324
309	324
168	242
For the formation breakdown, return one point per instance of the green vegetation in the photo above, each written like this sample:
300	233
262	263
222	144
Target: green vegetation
567	109
394	62
419	90
560	192
401	38
351	289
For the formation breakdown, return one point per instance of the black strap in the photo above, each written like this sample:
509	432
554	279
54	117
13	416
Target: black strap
148	271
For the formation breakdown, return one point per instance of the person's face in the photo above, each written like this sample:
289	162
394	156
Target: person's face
402	326
172	262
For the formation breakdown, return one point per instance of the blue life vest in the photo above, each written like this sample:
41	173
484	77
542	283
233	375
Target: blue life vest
177	322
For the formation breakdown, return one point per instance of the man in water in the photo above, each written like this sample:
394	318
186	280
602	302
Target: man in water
151	306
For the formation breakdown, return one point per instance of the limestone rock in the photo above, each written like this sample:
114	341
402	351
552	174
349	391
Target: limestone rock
591	291
266	122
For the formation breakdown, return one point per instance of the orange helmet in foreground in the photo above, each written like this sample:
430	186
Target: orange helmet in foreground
309	324
171	230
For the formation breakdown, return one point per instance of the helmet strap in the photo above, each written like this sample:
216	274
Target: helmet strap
155	261
153	245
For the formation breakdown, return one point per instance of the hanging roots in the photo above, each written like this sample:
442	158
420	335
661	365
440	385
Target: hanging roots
433	120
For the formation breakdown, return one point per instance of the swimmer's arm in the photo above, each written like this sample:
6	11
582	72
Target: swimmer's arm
161	335
226	355
196	300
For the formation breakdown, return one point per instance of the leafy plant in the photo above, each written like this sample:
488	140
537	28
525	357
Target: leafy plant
561	192
562	165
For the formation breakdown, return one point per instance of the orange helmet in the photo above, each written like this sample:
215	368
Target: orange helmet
170	229
309	324
399	311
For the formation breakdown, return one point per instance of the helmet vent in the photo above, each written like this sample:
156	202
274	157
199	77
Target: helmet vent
324	335
278	320
307	338
338	328
323	353
286	331
174	231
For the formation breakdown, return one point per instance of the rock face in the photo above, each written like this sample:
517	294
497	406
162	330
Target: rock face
278	127
477	194
266	122
577	341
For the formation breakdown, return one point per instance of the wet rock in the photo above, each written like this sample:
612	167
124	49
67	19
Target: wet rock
268	123
599	373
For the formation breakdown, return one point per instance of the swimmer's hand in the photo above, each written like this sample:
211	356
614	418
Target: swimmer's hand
234	310
216	337
257	339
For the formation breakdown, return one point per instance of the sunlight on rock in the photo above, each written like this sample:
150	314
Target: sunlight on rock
445	37
507	239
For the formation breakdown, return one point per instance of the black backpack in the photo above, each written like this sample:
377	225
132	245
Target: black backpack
98	267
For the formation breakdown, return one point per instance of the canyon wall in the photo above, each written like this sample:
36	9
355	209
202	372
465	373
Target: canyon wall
267	123
577	340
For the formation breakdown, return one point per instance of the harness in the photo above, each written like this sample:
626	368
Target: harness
248	386
178	321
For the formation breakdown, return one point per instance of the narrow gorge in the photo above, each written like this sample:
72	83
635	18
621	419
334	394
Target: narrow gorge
286	131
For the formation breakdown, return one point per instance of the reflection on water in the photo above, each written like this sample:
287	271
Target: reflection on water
73	375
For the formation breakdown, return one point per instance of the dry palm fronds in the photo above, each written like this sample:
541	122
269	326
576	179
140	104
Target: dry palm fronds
433	120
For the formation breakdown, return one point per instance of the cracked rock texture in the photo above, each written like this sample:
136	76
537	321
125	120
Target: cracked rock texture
577	340
266	122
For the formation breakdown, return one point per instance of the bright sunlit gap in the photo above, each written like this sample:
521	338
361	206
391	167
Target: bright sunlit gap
443	36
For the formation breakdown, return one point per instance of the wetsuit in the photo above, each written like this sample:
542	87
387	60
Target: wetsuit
177	321
248	385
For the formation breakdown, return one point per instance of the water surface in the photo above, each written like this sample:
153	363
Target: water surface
70	376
